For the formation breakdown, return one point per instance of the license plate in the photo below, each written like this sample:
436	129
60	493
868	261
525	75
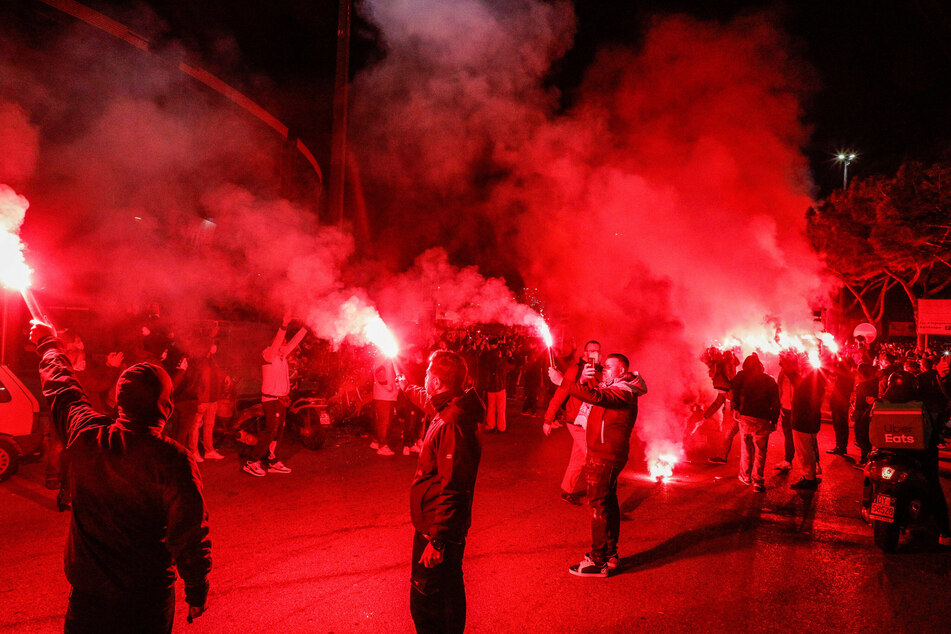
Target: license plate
883	508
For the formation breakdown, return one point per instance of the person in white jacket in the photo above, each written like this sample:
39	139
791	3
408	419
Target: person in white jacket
275	386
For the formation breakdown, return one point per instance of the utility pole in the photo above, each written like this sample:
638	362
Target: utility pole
338	142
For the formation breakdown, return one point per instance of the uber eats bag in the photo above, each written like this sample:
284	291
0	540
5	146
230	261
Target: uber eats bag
899	425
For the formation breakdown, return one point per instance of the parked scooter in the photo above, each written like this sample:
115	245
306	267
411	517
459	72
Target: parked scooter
895	495
307	420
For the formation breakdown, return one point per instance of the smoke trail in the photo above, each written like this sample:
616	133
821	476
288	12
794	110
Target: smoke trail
663	210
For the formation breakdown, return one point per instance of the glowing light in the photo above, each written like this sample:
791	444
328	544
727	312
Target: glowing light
14	271
544	332
379	335
828	341
887	473
662	466
763	341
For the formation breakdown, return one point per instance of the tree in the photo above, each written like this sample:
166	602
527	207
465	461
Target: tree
887	231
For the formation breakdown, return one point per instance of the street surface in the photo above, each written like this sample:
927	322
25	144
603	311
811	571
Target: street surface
326	549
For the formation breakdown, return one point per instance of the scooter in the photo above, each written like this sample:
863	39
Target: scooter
307	419
894	496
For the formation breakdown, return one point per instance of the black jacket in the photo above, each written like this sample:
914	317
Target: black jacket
442	490
756	394
136	496
611	421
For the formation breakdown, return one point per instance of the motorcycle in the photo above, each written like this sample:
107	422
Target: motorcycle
894	495
307	420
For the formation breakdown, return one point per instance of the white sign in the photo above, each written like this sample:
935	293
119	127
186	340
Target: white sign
934	316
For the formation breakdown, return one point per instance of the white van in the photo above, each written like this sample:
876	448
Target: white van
21	431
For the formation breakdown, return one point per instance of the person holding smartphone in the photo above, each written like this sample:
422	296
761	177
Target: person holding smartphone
576	418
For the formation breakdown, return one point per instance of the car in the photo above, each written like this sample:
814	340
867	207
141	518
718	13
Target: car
21	428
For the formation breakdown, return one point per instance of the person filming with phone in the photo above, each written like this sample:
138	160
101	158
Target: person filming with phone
576	418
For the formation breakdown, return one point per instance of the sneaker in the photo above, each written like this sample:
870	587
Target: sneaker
405	451
385	451
417	448
213	455
198	457
759	487
254	468
836	452
587	568
944	540
374	445
717	460
805	484
571	498
744	479
785	465
278	467
613	562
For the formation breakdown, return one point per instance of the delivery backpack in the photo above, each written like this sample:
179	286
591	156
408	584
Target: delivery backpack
899	425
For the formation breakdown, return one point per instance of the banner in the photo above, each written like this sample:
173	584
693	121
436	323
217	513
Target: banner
934	316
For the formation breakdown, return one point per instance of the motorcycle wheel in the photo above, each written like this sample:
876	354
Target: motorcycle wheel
311	433
886	536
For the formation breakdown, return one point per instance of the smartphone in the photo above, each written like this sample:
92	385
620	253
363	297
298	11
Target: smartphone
594	358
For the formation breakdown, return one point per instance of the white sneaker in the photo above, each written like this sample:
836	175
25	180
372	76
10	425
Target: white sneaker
417	447
198	457
405	451
213	455
385	451
278	467
785	465
254	468
374	445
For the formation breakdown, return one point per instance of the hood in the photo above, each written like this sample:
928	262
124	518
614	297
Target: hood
144	396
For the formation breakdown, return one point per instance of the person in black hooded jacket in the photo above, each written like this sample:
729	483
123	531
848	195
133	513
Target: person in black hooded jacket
137	501
442	492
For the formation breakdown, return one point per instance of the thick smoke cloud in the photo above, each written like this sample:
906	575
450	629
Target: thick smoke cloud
663	210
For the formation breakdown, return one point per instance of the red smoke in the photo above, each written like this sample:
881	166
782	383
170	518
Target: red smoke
663	210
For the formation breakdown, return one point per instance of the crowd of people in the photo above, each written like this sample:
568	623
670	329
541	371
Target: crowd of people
436	401
754	403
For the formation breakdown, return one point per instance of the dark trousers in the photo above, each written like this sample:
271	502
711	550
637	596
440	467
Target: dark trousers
860	429
785	421
840	422
274	413
437	596
602	478
384	414
89	614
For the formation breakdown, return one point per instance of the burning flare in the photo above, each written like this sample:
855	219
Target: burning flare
14	271
662	466
379	335
545	333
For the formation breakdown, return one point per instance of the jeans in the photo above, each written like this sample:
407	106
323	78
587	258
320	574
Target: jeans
571	483
89	614
806	451
754	442
601	477
495	411
729	418
437	595
384	415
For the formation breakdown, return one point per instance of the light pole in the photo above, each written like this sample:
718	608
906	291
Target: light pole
846	159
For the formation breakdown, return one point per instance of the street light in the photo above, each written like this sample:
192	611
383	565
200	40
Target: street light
846	159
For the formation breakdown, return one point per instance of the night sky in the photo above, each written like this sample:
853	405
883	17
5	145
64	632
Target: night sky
881	69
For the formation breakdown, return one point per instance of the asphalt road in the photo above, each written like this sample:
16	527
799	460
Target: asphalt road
326	549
